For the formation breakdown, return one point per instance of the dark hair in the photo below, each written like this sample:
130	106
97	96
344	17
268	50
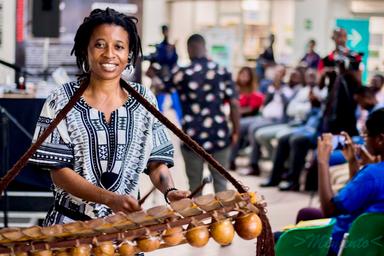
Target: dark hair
375	123
365	91
379	76
312	41
195	38
164	28
108	16
252	83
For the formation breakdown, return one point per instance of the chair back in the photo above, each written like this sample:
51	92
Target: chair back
366	236
305	241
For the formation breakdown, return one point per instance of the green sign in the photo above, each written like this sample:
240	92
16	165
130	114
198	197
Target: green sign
358	38
308	24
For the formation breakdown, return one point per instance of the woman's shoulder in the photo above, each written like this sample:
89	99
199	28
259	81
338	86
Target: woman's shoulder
144	91
61	95
66	89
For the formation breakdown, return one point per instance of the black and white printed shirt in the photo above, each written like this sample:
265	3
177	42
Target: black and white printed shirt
109	155
204	87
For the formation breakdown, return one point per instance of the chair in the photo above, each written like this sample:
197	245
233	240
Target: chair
365	237
305	241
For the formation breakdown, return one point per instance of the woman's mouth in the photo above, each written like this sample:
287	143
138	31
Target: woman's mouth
109	67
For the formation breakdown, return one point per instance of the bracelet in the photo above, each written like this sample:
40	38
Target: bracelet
166	194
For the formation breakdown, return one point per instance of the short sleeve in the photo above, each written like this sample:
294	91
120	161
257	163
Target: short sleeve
162	147
56	151
357	194
230	91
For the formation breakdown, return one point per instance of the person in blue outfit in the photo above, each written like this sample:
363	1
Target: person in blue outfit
163	60
311	59
365	190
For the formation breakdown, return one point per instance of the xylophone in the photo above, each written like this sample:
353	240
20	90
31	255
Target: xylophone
191	221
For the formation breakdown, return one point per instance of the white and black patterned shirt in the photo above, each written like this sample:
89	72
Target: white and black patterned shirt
204	88
109	155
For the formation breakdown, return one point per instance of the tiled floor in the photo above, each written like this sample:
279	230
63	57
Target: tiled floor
282	209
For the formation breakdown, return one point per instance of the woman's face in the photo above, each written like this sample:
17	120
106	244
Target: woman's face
108	51
372	143
244	77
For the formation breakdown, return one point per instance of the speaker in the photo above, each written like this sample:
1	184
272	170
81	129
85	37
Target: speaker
45	18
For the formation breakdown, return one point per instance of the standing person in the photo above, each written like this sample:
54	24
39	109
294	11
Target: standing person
97	153
340	107
163	60
250	101
266	59
311	58
204	87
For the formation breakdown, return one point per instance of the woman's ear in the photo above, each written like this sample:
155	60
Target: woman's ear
380	139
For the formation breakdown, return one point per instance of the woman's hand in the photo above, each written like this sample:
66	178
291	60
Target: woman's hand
123	203
348	150
175	195
324	148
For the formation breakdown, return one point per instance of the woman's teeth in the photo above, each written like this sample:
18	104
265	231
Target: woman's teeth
109	67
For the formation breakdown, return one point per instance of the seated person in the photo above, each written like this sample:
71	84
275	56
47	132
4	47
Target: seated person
250	100
367	101
365	191
273	112
293	147
298	111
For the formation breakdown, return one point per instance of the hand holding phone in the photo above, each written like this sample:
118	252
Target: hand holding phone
345	143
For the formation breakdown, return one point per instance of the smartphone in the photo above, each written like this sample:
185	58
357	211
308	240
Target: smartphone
338	142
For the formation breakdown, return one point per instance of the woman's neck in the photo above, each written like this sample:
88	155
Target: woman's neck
106	88
245	88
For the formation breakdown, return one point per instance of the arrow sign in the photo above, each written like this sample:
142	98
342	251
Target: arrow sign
358	38
354	37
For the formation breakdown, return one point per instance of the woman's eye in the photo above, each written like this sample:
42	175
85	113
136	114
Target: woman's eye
99	45
119	47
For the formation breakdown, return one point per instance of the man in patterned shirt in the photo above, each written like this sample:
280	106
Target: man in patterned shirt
204	87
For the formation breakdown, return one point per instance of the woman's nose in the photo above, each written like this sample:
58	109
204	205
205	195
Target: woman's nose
109	52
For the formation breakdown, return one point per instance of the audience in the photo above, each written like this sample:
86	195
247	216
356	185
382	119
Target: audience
296	113
293	143
273	112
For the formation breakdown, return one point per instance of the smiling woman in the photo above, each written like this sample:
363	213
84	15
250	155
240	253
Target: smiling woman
97	153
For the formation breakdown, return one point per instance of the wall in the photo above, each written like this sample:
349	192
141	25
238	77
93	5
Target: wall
7	48
323	15
282	25
154	15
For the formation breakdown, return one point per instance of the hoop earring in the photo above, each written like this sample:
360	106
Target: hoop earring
83	67
129	68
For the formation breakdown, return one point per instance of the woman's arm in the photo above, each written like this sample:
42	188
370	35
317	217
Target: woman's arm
161	178
73	183
324	149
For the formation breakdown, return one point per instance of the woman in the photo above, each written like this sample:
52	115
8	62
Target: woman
250	101
96	154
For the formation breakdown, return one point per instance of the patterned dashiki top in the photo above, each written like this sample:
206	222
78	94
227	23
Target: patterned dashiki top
109	155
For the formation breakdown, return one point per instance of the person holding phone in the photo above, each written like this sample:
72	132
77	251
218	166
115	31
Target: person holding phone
365	190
